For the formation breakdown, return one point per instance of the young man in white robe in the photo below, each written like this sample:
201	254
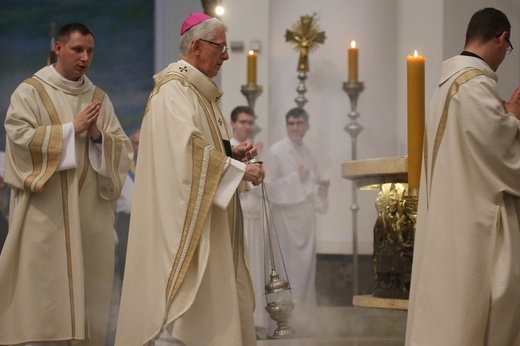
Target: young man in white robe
66	162
243	125
297	193
465	287
186	277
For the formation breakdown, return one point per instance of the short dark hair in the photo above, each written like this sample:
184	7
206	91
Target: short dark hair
241	109
485	24
297	112
68	29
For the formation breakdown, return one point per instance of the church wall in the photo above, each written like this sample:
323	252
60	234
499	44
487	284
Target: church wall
373	24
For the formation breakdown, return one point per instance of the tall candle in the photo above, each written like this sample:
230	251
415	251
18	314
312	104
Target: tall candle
415	77
353	61
251	68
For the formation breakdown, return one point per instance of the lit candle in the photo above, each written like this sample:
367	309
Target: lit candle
415	68
251	68
353	61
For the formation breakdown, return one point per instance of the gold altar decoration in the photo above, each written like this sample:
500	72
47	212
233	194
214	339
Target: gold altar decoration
394	229
394	234
306	36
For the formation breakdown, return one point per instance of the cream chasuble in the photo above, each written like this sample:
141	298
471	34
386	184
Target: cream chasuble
56	267
465	288
185	266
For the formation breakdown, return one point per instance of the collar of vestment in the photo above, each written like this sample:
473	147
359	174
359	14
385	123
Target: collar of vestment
460	63
47	76
466	53
205	85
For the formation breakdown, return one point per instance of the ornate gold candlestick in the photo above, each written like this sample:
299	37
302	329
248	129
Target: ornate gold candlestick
354	88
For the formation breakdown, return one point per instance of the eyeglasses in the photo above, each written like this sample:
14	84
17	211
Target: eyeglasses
223	47
510	47
297	123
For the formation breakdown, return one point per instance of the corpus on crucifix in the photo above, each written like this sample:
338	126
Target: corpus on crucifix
306	36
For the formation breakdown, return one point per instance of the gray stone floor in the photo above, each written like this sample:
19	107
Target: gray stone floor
338	322
346	341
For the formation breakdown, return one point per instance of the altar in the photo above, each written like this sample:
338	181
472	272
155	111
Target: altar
394	228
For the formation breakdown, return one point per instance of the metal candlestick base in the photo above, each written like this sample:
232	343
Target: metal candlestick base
354	88
301	100
251	92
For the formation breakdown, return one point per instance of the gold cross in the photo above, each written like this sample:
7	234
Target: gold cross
306	36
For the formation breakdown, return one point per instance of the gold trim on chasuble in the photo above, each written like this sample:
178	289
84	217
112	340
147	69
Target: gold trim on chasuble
237	230
110	187
45	141
50	142
207	169
454	88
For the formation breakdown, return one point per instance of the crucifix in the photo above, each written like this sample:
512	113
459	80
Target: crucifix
306	36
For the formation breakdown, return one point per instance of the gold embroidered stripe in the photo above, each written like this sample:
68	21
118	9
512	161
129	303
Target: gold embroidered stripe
113	146
207	167
86	165
35	148
454	88
237	230
54	149
210	117
47	102
156	89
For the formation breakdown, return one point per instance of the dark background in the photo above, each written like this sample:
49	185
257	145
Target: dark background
123	57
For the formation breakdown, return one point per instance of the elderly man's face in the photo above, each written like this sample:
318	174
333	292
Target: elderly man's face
212	58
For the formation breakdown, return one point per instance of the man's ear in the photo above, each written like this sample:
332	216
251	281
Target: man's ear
196	45
57	47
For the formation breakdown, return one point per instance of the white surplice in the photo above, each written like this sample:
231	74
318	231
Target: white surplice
295	204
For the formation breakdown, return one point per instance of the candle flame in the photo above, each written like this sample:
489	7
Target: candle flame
353	44
415	55
251	52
